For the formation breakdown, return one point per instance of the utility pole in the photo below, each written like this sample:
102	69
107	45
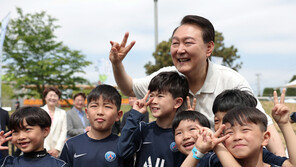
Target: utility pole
155	23
258	84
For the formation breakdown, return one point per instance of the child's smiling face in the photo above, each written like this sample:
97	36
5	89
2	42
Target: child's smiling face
30	138
245	140
185	135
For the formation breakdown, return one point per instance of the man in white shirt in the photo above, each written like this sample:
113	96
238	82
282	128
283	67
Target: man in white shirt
192	45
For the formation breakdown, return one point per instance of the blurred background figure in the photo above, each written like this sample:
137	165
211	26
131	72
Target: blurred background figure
17	105
4	118
293	117
77	123
54	142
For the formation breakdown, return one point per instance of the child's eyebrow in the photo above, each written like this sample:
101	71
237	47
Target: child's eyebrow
92	103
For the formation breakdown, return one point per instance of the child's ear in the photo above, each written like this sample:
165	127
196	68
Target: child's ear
119	115
46	131
266	137
178	102
86	112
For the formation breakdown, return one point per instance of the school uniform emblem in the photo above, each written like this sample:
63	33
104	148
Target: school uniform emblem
173	147
110	156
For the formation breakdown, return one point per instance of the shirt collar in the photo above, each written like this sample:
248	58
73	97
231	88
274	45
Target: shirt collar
78	112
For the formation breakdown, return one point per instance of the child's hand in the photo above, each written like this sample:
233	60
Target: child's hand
4	138
118	52
141	104
207	140
280	111
189	108
54	152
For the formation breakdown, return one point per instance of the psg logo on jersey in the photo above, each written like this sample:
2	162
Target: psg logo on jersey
110	156
173	147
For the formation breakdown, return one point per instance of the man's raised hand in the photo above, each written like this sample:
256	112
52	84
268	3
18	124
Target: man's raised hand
119	51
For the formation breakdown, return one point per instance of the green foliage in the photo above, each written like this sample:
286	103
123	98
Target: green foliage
291	91
269	92
229	54
34	58
7	95
162	55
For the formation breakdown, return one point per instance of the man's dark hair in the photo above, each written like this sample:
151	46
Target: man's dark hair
171	82
48	89
208	31
243	114
231	98
190	116
79	94
107	92
33	116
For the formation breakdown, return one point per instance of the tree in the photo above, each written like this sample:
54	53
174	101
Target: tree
291	91
229	54
34	58
162	55
268	92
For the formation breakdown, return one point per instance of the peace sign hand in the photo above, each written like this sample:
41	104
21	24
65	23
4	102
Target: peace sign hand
207	139
118	52
141	104
189	108
280	111
4	138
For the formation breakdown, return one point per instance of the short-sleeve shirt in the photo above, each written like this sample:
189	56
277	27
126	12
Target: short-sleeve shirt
218	79
82	150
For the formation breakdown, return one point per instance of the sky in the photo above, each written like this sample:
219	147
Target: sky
263	31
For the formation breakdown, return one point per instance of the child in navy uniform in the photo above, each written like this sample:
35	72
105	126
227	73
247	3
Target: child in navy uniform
97	148
153	142
185	127
225	102
30	126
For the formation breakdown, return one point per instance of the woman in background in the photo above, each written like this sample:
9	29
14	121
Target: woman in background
54	142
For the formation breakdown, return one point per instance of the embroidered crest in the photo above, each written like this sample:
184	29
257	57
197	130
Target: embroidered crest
110	156
173	147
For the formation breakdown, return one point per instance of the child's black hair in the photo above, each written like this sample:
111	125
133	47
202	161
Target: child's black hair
191	116
243	114
107	92
231	98
171	82
33	116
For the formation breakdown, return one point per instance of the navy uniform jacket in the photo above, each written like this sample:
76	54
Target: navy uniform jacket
4	118
82	151
211	160
39	160
153	145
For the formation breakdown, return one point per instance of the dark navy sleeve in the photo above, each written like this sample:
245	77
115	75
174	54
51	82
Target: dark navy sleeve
130	139
270	158
66	155
210	159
